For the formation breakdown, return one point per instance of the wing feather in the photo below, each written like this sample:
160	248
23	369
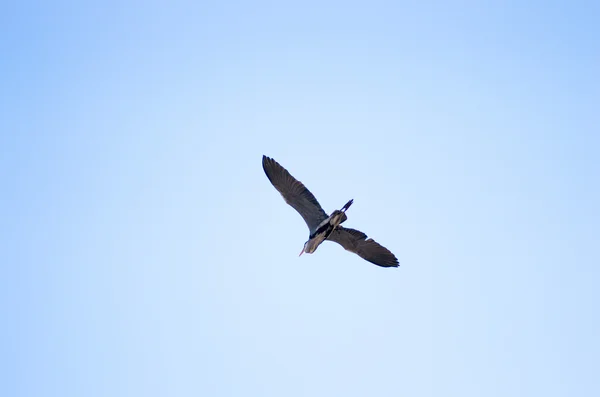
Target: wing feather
356	241
294	193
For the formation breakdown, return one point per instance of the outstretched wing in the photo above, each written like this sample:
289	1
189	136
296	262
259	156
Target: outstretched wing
357	242
294	193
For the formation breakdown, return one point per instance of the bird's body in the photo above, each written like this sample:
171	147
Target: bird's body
325	229
321	226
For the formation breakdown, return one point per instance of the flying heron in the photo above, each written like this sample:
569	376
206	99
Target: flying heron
320	225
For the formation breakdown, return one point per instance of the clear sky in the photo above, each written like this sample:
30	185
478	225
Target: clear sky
145	253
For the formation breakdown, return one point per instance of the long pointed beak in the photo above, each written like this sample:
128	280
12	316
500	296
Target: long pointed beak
301	252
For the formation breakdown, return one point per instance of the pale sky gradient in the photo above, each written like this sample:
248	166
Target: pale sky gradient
145	253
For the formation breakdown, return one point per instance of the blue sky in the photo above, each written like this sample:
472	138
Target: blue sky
145	253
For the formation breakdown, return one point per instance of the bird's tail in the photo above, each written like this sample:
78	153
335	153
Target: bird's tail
343	211
347	205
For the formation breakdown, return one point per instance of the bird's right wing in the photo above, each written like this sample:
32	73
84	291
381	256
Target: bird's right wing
357	242
294	193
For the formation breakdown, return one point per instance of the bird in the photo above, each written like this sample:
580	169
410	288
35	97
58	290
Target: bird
323	227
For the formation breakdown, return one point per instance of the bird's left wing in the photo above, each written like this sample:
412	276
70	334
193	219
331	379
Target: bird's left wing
294	193
357	242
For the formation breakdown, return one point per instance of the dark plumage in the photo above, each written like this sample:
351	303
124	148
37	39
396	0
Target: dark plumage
321	226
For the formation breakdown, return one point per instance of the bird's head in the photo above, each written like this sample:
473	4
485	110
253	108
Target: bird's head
309	247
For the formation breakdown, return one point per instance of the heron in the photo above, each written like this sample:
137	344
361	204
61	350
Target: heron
323	227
